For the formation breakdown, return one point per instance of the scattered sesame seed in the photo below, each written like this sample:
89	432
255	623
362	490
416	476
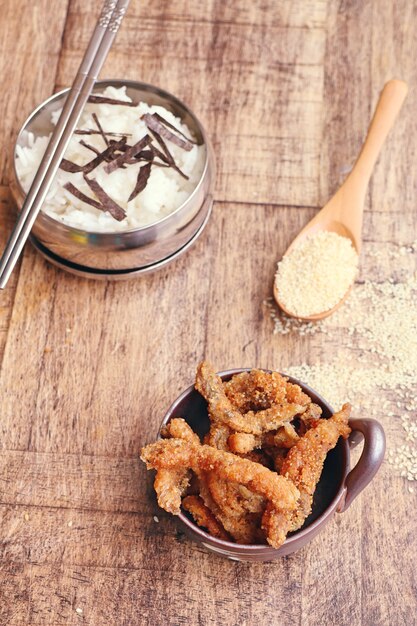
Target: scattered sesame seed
70	523
377	371
79	611
156	519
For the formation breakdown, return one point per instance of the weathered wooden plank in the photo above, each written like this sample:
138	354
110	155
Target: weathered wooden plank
117	596
389	583
119	404
82	482
299	13
7	219
89	390
28	63
286	90
257	88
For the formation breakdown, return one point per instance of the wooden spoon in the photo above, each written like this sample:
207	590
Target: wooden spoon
344	212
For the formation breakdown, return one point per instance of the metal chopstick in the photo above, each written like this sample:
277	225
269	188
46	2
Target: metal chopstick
100	43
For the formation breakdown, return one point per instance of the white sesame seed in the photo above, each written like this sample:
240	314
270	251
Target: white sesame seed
377	371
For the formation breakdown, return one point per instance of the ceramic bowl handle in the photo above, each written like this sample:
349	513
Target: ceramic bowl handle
370	461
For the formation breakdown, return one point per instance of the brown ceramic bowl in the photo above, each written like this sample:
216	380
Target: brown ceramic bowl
338	486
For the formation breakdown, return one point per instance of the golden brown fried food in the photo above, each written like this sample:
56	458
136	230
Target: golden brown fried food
284	437
233	498
258	390
310	417
170	486
204	517
181	455
242	528
209	384
218	436
276	525
178	428
255	390
303	464
225	482
241	443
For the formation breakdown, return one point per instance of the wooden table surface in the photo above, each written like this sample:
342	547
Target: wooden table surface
286	90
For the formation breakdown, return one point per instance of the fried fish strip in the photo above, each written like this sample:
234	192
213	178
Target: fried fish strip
303	464
276	525
209	384
233	498
243	529
255	390
177	428
310	416
217	436
170	486
204	517
177	454
284	437
180	454
258	390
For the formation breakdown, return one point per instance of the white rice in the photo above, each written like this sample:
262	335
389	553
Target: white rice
165	191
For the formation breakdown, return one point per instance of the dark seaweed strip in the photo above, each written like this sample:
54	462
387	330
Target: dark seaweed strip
69	166
108	152
89	147
89	131
107	204
102	133
172	127
169	158
81	196
153	123
142	180
105	100
127	154
93	149
160	155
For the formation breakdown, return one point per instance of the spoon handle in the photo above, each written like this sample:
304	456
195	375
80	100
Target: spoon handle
389	105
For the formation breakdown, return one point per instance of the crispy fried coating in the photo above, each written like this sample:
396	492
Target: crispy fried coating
243	528
284	437
177	428
203	517
255	390
209	384
234	498
218	436
170	486
180	454
276	525
241	443
303	464
258	390
226	483
177	454
310	416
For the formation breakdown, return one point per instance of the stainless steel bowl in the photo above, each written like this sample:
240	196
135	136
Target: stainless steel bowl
131	249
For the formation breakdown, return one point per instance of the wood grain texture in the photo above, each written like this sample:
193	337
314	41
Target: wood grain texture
286	90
